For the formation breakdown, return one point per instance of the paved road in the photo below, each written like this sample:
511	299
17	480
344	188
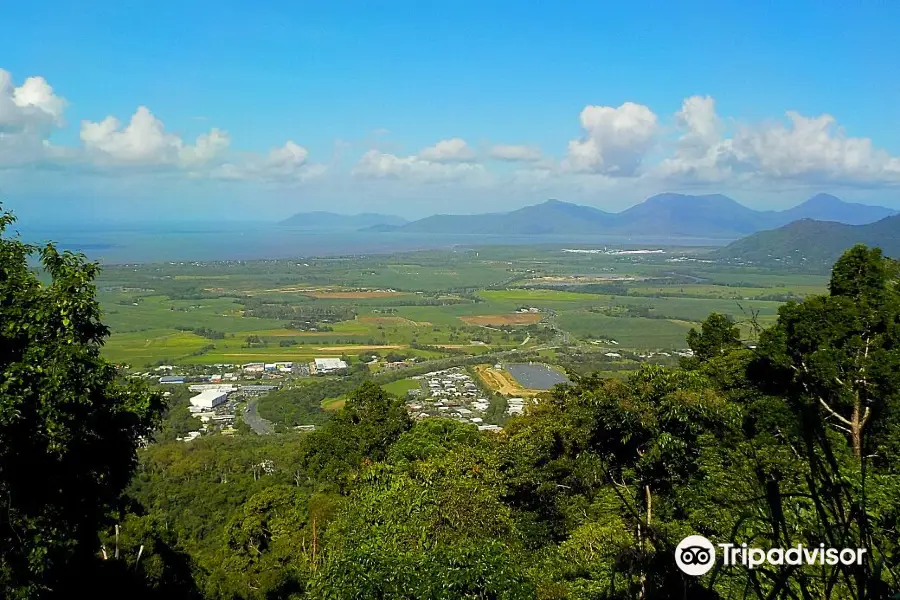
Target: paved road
252	418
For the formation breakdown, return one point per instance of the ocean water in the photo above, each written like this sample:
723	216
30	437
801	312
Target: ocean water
243	241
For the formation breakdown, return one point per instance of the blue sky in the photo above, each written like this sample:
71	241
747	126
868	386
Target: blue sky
405	107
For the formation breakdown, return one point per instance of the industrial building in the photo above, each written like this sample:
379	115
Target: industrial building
170	379
329	365
258	389
209	399
219	387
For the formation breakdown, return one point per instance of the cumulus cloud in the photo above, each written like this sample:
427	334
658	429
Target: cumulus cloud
615	141
705	150
380	165
144	141
515	153
812	150
701	153
287	163
208	147
32	106
28	114
452	150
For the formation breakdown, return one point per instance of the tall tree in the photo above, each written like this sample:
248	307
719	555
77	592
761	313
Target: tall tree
836	361
718	334
69	426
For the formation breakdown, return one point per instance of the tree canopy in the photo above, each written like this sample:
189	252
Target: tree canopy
69	426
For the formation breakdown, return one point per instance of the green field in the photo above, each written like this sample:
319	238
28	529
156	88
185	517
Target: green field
402	386
413	304
631	333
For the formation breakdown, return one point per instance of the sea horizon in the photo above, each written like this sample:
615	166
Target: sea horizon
228	241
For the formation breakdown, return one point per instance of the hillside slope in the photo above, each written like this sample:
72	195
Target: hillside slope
813	242
550	217
825	207
677	215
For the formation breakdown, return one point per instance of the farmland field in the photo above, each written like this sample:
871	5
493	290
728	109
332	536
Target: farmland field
512	319
426	305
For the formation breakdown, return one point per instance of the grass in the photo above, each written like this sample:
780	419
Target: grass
334	404
401	387
634	333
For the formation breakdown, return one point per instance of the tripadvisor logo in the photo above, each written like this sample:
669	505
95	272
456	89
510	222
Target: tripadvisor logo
696	555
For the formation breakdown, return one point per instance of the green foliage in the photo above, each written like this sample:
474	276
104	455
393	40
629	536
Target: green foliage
362	431
69	426
432	438
718	335
300	405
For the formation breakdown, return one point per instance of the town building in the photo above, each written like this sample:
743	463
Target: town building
258	389
219	387
208	399
329	365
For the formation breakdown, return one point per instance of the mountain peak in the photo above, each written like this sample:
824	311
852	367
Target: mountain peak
826	207
553	202
676	199
824	200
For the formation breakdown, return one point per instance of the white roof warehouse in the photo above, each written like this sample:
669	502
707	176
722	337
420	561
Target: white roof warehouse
209	399
324	365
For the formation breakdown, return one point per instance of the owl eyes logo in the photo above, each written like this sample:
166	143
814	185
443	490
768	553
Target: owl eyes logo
695	555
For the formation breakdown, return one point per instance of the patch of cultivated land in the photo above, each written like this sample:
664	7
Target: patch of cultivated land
502	382
581	279
352	295
399	321
360	348
497	320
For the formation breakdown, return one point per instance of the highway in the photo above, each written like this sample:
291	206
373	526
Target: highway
252	418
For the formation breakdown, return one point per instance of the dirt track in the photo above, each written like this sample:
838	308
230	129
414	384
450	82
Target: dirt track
400	321
352	295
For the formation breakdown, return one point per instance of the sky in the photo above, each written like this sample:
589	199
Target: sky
189	110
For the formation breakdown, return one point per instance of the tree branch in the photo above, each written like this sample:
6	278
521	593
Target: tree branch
833	413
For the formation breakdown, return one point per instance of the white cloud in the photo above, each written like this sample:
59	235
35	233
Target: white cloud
708	150
32	106
380	165
801	149
701	154
616	139
28	114
287	163
207	147
452	150
811	149
516	153
144	141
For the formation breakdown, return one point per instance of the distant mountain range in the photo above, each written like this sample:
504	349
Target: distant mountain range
809	241
327	220
677	215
